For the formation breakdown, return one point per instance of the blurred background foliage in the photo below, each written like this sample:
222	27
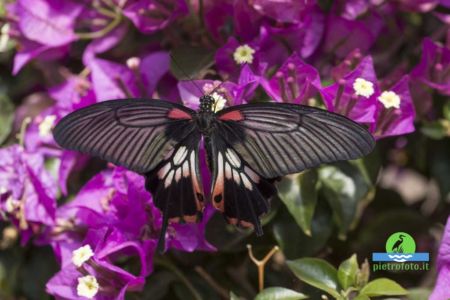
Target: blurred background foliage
325	214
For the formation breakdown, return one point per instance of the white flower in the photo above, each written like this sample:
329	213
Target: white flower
133	62
219	101
243	54
3	189
81	255
87	286
390	99
11	204
4	37
46	125
363	87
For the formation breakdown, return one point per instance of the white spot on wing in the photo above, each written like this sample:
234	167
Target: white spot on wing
169	178
163	171
233	158
178	174
219	178
246	182
236	177
180	155
228	173
186	169
194	175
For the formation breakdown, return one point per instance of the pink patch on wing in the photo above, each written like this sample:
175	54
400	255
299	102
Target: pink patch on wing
234	115
176	113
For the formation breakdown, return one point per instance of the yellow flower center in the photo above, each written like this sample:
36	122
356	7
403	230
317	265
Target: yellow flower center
45	127
390	99
87	286
81	255
363	87
243	54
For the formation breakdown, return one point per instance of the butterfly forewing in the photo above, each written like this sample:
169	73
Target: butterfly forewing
280	139
134	133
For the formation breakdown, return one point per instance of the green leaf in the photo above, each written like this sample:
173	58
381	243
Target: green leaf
345	190
434	130
316	272
418	293
446	110
363	274
347	272
383	287
279	293
233	296
361	297
188	61
159	286
293	241
299	193
6	117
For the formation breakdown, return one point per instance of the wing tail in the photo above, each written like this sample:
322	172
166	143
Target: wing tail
238	191
176	185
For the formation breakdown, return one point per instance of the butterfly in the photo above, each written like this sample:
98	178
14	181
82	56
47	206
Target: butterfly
248	147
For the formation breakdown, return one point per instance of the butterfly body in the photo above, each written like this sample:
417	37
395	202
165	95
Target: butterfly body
247	146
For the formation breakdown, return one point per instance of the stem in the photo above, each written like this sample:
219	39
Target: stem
385	119
200	14
167	264
23	224
208	278
23	128
108	3
338	97
102	32
282	89
350	105
106	12
261	263
85	72
123	87
139	82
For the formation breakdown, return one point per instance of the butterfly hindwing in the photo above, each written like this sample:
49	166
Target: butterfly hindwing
134	133
176	183
240	193
277	139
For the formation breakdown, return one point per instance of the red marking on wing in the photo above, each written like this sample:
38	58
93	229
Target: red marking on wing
176	113
234	115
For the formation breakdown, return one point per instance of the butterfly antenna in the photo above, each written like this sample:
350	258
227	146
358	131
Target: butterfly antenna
162	235
185	74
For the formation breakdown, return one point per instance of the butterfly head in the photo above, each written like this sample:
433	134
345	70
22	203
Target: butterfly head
206	103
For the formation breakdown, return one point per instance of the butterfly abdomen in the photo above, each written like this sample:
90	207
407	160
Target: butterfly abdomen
206	123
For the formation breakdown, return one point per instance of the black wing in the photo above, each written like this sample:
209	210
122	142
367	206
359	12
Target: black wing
277	139
134	133
176	183
156	138
238	191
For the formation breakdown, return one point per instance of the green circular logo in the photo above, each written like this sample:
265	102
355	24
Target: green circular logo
400	242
